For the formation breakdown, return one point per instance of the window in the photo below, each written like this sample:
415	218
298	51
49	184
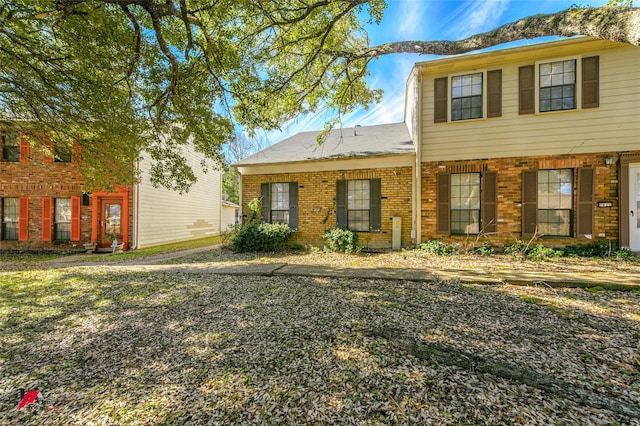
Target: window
10	217
10	146
62	219
279	203
555	202
558	85
466	96
465	203
358	205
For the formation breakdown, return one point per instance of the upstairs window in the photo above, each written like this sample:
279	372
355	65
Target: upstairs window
558	85
10	146
62	153
466	96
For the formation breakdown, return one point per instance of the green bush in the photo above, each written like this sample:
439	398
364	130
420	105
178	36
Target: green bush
540	252
516	249
341	240
483	250
261	237
437	247
601	249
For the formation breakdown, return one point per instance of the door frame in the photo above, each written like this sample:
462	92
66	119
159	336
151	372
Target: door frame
123	196
627	160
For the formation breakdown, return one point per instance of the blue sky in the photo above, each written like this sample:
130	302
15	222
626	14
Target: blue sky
424	20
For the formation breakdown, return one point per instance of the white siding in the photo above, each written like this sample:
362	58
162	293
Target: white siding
613	126
410	108
164	216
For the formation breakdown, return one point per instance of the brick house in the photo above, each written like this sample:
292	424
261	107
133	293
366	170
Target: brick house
505	144
46	205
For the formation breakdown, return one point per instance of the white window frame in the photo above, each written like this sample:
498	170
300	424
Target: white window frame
482	71
578	93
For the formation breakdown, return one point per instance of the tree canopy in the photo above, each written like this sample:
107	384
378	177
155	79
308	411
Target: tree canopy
115	78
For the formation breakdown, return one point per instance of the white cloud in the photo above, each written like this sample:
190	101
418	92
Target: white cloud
476	16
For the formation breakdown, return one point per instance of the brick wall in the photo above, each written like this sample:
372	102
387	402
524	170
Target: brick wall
316	201
510	195
36	179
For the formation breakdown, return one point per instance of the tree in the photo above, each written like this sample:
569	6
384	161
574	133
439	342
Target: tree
114	78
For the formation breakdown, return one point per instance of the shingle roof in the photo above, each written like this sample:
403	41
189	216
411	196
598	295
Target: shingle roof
349	142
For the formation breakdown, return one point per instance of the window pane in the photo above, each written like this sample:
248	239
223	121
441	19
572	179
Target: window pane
358	204
555	201
10	212
557	85
465	203
466	97
62	210
280	203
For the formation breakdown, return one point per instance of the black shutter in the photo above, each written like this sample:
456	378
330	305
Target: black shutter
590	82
489	202
494	93
585	207
293	205
440	100
443	203
526	88
375	205
264	203
529	202
341	204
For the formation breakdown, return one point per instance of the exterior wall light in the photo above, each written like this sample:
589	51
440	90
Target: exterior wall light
609	160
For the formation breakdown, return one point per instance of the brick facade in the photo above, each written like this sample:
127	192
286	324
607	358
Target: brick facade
35	179
509	195
317	203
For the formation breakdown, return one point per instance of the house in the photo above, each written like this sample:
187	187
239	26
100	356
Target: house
540	140
359	178
46	205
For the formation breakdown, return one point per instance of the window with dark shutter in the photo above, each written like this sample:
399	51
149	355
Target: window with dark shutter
293	205
526	87
585	206
494	93
341	204
489	202
264	203
590	82
443	209
529	202
440	100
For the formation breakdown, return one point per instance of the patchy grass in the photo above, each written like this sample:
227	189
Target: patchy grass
112	346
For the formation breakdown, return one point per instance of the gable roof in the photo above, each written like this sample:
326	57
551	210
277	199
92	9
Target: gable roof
348	142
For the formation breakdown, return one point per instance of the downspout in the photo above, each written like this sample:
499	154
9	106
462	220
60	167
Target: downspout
136	204
239	217
418	164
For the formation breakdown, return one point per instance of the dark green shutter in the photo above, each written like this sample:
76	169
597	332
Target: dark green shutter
341	204
489	202
443	203
529	202
264	203
585	208
375	208
590	82
494	93
293	205
526	88
440	100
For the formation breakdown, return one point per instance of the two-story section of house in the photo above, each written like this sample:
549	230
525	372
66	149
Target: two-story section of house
46	205
537	140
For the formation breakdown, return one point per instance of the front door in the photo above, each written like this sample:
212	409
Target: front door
110	221
634	207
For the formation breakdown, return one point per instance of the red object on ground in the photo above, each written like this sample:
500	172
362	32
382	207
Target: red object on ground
29	398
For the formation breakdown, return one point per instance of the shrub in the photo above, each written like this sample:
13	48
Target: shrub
341	240
540	252
516	249
437	247
601	249
483	250
261	237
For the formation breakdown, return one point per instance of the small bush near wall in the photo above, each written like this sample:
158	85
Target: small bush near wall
437	247
341	240
261	237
